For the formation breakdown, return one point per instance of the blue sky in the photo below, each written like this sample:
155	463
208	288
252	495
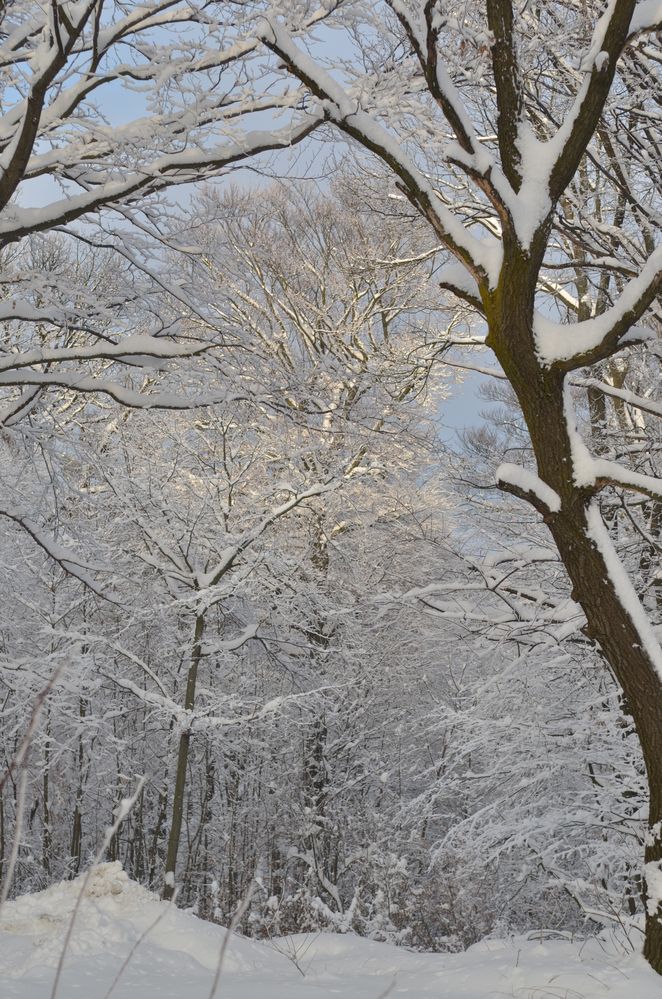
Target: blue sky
463	407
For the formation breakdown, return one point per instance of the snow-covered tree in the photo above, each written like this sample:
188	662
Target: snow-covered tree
525	140
455	100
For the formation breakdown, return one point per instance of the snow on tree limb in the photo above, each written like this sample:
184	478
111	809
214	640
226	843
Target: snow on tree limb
592	474
162	172
132	398
647	16
569	144
46	63
639	402
212	577
456	278
527	485
137	346
345	110
62	554
423	33
575	346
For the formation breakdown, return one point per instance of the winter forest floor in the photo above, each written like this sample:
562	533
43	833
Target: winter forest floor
177	955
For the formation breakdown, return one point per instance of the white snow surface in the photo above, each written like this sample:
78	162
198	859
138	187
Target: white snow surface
647	14
653	875
177	958
529	482
560	342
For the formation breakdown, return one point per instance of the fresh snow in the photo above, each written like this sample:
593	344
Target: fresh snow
532	205
653	876
528	482
564	342
457	276
622	583
174	955
647	14
561	342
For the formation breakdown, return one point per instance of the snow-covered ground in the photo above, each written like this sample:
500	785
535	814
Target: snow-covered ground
177	956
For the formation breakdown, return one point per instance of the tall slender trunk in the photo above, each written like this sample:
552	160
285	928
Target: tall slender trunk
197	867
46	847
182	763
317	841
161	817
76	849
2	834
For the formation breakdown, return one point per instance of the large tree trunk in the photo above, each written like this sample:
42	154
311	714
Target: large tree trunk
605	595
611	625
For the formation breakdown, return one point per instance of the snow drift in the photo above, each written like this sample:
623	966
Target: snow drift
163	952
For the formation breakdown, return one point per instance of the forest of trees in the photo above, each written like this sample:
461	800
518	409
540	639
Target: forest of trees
352	672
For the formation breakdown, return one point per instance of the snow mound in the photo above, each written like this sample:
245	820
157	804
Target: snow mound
113	914
161	952
55	905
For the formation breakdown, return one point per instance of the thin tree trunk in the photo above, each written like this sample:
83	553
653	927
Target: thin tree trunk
46	845
182	764
2	834
76	850
160	823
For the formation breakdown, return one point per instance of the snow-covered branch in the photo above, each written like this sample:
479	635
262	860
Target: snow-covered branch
646	17
212	577
136	348
577	345
345	110
642	403
456	278
160	173
132	398
64	555
599	68
525	484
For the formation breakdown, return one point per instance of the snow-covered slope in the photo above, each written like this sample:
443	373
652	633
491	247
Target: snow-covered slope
177	955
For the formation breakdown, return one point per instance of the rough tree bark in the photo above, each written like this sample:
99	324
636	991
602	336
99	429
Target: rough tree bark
540	392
